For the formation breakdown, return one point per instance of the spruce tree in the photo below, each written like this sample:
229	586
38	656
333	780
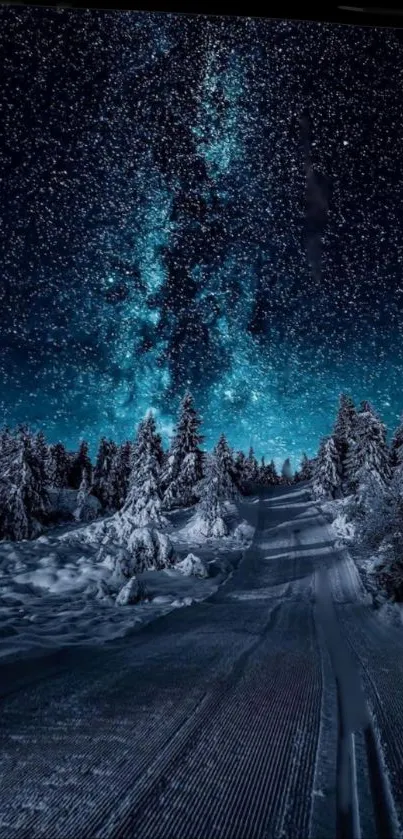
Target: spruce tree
24	501
218	488
396	446
240	470
57	466
344	433
103	480
327	470
120	473
368	455
305	472
80	463
251	470
184	464
272	476
144	500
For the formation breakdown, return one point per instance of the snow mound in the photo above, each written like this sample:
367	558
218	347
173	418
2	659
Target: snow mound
132	592
182	601
199	529
193	566
244	532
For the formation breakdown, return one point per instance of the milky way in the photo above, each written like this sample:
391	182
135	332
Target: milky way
204	203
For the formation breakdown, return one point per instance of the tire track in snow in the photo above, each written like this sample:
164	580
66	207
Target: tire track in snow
354	711
382	780
253	801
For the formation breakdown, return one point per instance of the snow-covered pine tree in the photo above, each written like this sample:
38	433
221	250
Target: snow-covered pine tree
80	463
396	446
262	477
272	476
239	470
306	468
57	466
368	455
327	470
103	480
286	472
143	504
120	474
24	501
251	470
217	489
344	423
41	453
184	463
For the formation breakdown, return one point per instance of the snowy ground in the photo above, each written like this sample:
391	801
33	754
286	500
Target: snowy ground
52	590
273	708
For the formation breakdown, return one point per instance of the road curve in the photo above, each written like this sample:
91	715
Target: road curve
272	709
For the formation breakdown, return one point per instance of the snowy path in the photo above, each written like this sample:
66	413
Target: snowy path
272	709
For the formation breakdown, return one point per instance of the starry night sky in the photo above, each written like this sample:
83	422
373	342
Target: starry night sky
203	202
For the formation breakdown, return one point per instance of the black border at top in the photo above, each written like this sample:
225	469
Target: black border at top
347	12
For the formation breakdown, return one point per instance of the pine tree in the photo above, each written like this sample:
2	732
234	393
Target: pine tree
251	470
396	446
103	480
24	501
57	466
272	476
184	466
225	462
120	474
80	463
286	472
305	473
344	433
144	500
218	488
41	453
327	470
368	456
239	471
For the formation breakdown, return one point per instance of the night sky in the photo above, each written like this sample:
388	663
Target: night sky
204	203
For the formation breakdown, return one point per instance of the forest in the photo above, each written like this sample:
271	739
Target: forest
356	475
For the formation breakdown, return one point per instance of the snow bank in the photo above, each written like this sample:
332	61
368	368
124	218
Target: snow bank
81	584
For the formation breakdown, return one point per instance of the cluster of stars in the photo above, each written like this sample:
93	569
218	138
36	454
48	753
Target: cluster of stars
198	202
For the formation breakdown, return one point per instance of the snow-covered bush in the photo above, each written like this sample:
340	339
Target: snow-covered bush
146	549
192	566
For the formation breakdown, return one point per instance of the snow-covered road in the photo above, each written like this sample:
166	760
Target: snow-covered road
272	709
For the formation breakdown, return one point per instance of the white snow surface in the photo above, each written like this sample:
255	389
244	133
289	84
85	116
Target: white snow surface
72	586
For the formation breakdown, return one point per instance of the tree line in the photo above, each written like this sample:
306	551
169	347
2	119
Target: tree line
356	465
137	474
